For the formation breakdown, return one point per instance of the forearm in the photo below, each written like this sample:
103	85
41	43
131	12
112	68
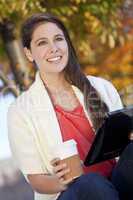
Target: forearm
46	184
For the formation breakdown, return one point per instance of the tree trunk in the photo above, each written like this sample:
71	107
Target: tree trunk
18	62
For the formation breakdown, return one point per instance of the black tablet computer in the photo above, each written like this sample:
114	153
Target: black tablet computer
112	137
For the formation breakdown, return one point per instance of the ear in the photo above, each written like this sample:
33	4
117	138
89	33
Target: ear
28	54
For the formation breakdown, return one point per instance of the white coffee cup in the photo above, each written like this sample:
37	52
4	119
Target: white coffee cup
68	153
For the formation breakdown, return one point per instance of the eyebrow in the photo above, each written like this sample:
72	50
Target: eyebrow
44	38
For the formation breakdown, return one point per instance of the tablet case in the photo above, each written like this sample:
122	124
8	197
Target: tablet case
112	137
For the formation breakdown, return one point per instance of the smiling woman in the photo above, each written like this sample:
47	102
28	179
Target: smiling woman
50	52
62	104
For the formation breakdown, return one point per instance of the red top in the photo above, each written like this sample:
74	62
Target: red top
75	125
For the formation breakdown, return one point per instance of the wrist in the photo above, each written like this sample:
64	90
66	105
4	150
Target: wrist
58	184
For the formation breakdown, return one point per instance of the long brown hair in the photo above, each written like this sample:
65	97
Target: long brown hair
73	74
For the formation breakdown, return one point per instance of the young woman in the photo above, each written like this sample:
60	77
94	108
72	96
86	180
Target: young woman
62	104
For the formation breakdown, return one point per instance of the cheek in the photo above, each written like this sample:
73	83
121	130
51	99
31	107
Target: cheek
40	53
65	52
63	46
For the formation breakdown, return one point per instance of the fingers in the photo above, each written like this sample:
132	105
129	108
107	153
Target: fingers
55	161
60	170
131	136
62	173
59	167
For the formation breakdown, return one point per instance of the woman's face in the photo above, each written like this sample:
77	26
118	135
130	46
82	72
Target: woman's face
49	48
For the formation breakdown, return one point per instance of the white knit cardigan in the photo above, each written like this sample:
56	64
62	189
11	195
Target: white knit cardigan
34	129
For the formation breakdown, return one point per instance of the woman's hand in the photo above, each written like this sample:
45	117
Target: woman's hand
59	170
131	136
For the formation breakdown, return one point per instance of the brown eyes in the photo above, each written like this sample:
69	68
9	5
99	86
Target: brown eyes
59	38
43	42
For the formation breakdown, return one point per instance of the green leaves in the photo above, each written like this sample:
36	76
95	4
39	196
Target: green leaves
83	18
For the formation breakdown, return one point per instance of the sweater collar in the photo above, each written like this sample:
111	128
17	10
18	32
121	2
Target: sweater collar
46	102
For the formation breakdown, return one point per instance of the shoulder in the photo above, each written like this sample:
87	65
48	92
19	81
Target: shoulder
19	102
100	82
21	105
107	91
103	86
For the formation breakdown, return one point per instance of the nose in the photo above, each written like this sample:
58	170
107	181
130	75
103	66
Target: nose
53	48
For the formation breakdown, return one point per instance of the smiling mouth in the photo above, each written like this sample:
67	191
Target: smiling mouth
55	59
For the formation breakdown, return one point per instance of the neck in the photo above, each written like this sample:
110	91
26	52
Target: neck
54	81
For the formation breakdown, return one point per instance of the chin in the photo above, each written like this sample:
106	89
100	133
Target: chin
59	69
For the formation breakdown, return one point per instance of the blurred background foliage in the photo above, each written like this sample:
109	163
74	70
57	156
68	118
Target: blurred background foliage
101	31
102	34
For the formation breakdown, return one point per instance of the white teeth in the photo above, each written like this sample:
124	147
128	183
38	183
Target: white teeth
54	59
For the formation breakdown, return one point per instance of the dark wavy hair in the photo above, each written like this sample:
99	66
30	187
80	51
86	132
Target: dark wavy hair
94	105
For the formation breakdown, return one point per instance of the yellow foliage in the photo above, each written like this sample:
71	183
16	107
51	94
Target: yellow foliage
118	67
111	41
